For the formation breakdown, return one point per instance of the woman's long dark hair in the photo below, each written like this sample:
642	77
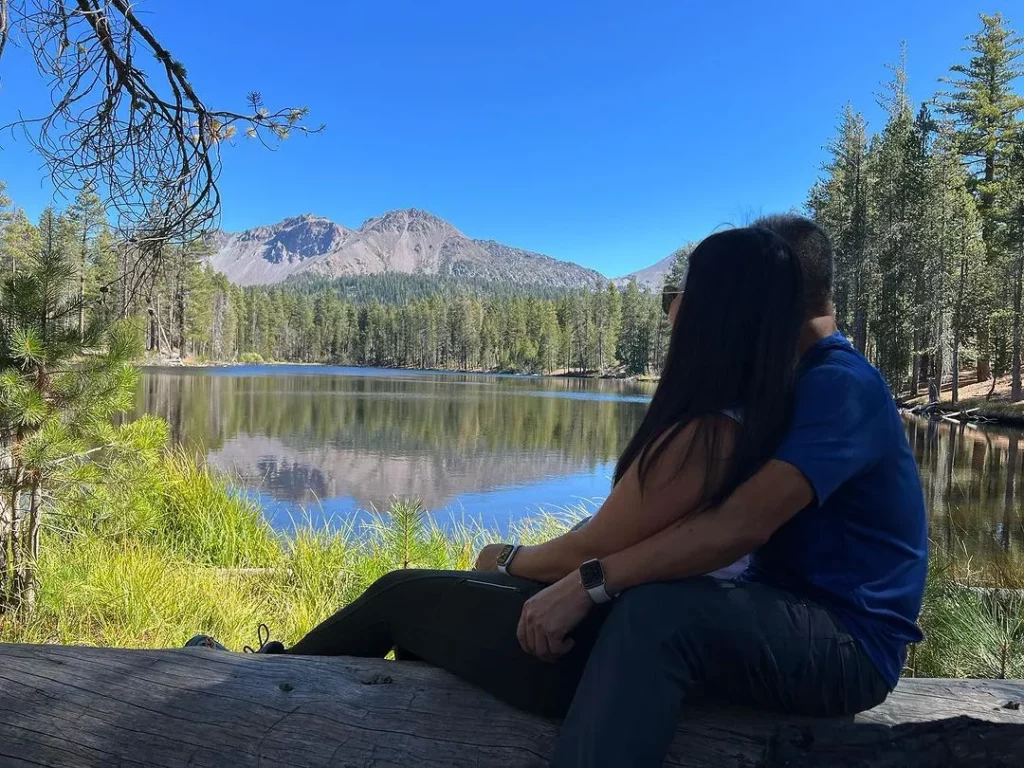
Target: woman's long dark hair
733	346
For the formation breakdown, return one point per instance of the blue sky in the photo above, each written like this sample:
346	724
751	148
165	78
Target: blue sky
606	133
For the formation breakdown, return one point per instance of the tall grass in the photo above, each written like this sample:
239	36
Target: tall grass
164	549
973	623
171	550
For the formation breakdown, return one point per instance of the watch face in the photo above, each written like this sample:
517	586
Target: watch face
505	554
591	574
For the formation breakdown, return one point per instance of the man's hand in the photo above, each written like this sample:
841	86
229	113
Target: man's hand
550	615
487	560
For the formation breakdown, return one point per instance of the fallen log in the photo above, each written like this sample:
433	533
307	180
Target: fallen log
959	741
64	706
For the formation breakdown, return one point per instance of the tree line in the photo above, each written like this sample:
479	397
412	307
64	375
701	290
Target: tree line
182	308
927	216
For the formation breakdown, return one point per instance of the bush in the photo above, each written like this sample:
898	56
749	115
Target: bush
251	358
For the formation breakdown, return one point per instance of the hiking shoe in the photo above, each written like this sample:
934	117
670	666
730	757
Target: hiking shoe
204	641
266	644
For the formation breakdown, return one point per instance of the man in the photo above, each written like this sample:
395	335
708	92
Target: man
820	622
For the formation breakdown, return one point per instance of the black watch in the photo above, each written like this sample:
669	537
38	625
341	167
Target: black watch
506	556
592	579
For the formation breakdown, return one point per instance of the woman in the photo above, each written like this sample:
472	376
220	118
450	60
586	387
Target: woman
717	415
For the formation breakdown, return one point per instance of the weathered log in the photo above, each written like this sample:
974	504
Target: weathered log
66	706
960	742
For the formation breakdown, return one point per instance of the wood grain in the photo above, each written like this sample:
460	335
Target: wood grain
74	707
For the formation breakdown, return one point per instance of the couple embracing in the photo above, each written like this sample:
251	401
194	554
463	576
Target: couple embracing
764	542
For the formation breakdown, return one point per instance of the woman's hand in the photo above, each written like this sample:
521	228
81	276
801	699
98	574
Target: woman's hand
487	560
550	615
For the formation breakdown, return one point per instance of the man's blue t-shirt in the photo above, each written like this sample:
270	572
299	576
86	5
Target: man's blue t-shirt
861	548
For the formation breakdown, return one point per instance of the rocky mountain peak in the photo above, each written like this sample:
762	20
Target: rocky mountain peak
406	241
408	220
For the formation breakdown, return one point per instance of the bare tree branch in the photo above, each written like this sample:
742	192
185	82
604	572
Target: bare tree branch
144	136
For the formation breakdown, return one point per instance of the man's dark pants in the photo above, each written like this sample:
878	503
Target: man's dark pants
667	645
636	662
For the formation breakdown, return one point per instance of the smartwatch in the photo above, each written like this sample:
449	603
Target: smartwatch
592	579
506	556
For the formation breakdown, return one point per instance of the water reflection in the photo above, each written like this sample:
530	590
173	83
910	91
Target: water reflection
971	480
337	439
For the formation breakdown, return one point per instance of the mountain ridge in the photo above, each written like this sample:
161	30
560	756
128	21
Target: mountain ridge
408	241
653	277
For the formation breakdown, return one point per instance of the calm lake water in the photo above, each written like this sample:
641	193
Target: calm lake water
324	443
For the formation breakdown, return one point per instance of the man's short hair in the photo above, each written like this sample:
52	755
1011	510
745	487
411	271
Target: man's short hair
813	249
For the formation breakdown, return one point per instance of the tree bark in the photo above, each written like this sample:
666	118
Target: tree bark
958	330
81	293
6	525
915	373
30	550
1018	285
984	361
988	232
17	536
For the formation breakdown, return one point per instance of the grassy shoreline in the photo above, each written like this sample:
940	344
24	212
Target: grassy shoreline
184	554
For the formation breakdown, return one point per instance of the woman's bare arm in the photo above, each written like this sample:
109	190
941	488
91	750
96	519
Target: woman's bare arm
628	517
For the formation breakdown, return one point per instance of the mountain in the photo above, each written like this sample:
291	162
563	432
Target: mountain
653	277
409	242
294	473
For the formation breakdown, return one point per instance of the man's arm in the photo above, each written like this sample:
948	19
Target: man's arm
691	547
705	542
673	488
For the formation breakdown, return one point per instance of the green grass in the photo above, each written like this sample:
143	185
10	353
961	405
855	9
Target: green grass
163	549
973	620
184	555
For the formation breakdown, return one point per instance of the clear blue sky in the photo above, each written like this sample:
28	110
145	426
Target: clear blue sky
604	132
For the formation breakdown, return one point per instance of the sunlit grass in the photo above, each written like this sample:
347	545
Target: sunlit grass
172	551
973	620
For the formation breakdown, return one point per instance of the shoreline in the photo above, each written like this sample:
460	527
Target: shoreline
178	363
987	402
969	411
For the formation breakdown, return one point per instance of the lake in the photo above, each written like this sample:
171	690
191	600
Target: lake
325	444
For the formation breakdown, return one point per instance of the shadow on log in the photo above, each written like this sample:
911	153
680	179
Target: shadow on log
958	742
77	707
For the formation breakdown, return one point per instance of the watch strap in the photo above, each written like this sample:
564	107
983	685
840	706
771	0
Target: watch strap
598	591
503	567
599	594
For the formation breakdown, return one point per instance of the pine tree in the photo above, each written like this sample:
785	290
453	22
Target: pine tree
894	223
958	235
925	262
839	202
87	216
19	241
58	391
1012	215
985	109
677	272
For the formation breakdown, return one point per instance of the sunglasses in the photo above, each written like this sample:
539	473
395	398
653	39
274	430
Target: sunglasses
668	295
